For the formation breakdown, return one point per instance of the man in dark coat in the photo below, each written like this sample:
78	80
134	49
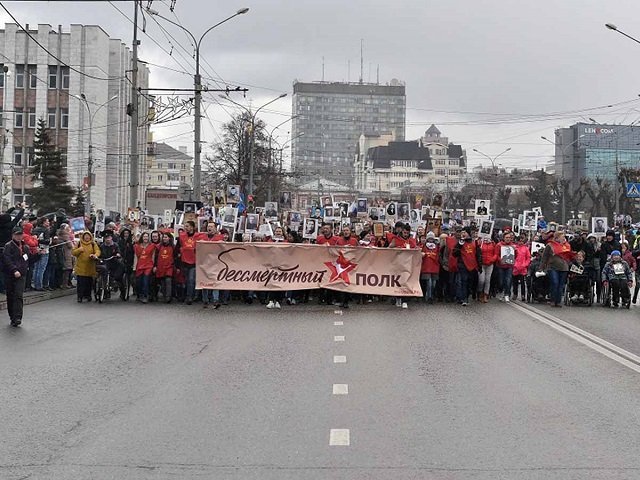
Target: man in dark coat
7	222
15	262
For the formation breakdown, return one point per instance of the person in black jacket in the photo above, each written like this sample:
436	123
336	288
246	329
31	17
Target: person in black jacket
7	222
15	262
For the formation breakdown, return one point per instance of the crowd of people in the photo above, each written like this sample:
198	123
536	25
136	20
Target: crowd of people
459	264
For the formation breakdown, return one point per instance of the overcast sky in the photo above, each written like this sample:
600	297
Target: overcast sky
490	74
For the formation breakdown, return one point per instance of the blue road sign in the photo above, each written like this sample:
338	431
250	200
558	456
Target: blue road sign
633	190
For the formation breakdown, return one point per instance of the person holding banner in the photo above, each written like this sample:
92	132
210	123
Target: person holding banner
327	237
210	295
404	240
186	248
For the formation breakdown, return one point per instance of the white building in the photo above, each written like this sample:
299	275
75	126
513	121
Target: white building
449	160
168	167
37	85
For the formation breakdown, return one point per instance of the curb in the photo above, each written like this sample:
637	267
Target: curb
37	297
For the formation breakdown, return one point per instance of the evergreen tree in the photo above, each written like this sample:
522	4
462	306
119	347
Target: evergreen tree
51	190
77	207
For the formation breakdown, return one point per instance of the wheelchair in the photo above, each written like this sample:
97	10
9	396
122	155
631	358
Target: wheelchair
579	289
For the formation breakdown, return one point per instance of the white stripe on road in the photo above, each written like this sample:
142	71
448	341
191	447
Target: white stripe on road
339	359
338	323
586	338
338	338
339	437
340	389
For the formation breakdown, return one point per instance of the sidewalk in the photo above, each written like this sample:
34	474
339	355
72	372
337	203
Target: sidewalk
35	297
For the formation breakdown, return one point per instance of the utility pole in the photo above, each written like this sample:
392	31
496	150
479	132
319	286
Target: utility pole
134	177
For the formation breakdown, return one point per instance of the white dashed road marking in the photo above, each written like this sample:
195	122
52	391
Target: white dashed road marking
340	389
338	338
339	437
339	359
338	323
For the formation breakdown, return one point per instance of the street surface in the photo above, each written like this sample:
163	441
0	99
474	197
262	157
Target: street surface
123	390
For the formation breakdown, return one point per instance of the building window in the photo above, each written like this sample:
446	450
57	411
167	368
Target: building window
65	77
33	76
2	76
53	76
32	118
19	119
453	163
51	117
183	179
159	178
31	156
17	155
64	118
19	76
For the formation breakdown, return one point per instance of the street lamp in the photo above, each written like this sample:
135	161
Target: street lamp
82	97
197	85
495	185
271	151
253	133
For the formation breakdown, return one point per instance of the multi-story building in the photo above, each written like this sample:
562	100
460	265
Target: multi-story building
168	167
587	150
449	160
385	165
329	119
82	94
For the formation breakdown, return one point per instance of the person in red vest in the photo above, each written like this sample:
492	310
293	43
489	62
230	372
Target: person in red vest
346	239
430	265
211	235
186	248
145	253
327	237
449	264
467	253
488	254
164	266
404	240
555	262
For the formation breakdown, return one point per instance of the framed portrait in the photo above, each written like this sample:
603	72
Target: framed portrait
189	208
482	207
404	212
599	225
536	247
538	210
285	200
327	201
392	210
530	220
361	206
378	229
425	212
229	217
486	229
271	209
219	198
252	223
233	193
202	224
241	222
515	226
310	228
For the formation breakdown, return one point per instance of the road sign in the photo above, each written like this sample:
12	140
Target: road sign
633	190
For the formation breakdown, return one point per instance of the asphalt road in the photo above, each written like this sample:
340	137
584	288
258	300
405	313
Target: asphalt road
439	392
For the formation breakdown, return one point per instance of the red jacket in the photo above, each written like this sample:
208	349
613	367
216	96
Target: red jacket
164	261
145	256
488	252
452	261
430	261
523	259
469	256
402	243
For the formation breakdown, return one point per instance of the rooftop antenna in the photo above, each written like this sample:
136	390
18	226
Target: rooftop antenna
348	71
323	68
378	75
361	59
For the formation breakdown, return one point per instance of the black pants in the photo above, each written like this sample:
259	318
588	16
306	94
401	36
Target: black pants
15	294
619	288
84	288
519	280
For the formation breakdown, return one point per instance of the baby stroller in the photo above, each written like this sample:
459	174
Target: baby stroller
579	289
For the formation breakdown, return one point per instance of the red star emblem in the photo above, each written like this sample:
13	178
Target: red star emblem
340	269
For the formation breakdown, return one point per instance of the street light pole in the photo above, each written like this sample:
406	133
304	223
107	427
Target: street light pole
197	87
83	99
269	193
253	133
495	184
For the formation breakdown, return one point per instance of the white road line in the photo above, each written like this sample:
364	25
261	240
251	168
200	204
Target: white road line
338	338
340	389
339	437
593	343
339	359
338	323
